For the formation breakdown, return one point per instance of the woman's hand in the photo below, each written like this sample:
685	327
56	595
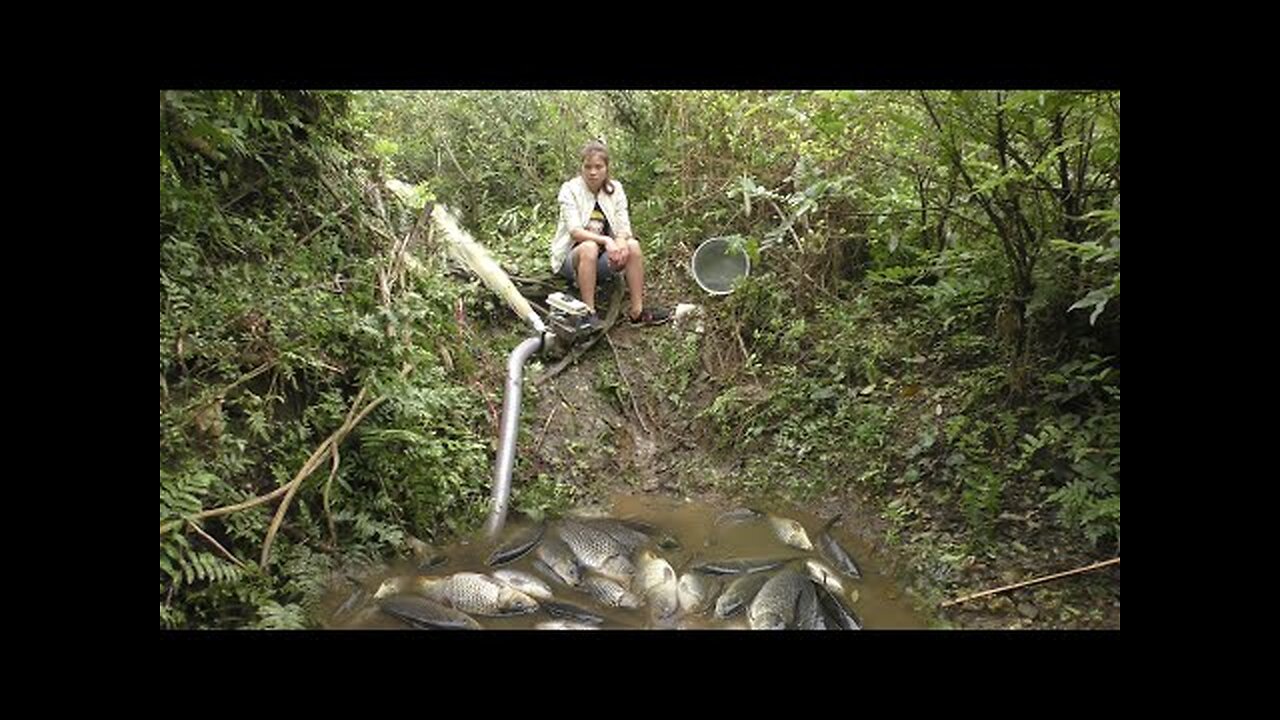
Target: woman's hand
618	253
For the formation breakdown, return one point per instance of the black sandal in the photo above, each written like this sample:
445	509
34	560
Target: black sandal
650	316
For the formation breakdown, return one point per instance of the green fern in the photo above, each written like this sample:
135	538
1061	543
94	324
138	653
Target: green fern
186	565
367	529
181	493
274	616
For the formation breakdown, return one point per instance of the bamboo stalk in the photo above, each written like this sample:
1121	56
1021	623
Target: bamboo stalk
1034	581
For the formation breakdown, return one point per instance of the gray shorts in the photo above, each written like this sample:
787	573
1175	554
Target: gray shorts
604	273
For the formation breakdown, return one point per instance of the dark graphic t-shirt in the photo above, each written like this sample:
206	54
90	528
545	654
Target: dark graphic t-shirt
598	222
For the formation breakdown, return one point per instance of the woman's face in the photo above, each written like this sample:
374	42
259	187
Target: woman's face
593	171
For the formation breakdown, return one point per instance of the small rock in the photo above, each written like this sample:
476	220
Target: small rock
1027	610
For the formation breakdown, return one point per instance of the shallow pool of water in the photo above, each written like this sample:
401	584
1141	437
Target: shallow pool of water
875	599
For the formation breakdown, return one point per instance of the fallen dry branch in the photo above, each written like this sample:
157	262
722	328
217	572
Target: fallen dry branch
216	544
1046	578
328	514
227	510
329	446
314	462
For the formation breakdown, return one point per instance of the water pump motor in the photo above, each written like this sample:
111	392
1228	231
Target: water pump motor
566	324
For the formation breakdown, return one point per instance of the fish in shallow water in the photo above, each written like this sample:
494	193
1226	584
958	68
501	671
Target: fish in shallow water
524	582
466	591
809	614
787	530
518	543
790	532
697	592
834	553
787	600
597	550
609	592
739	594
841	614
656	582
395	585
421	612
822	574
555	556
662	538
568	611
738	566
630	538
635	534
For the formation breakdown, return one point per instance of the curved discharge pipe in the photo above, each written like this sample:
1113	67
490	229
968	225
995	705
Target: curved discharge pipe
466	250
500	500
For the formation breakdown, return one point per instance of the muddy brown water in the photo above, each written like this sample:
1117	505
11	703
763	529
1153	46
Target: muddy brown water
880	603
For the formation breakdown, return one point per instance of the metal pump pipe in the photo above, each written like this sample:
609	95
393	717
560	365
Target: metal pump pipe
466	250
500	500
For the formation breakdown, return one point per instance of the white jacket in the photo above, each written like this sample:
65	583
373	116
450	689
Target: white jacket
576	203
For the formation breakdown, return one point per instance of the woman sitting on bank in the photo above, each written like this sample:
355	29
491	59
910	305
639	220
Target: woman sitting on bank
593	240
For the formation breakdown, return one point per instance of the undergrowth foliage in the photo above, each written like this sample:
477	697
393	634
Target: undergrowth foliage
273	317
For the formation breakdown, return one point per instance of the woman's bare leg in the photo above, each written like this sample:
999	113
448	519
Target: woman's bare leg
585	258
635	277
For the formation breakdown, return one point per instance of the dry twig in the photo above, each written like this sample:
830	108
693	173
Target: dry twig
216	544
630	392
1046	578
547	424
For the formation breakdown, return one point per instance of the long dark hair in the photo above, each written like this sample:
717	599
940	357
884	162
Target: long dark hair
595	147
